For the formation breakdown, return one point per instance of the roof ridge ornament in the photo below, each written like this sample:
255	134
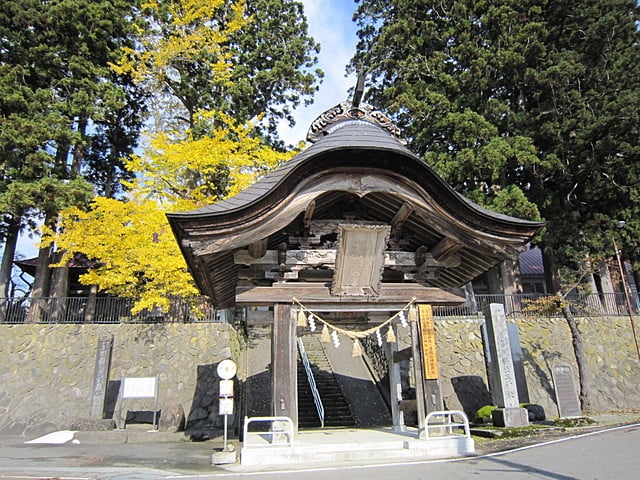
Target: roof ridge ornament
354	110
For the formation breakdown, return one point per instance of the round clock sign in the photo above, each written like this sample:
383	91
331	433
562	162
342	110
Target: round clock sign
226	369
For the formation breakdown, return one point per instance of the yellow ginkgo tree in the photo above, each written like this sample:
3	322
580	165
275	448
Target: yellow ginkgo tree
196	152
137	253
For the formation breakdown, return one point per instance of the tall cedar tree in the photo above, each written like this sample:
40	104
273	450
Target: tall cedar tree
65	113
521	105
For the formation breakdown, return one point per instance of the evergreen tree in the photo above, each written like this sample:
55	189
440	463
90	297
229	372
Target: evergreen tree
508	98
249	61
57	94
529	104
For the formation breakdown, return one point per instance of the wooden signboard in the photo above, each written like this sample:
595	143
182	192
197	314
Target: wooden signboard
360	259
428	337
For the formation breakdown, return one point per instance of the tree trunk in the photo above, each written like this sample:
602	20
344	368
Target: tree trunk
606	284
581	360
59	289
511	286
11	241
551	272
41	280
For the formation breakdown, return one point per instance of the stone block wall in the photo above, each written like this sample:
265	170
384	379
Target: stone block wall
46	371
612	361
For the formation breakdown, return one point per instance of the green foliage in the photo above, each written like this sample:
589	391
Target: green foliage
485	412
532	100
248	60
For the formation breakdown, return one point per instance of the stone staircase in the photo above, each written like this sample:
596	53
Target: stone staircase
336	407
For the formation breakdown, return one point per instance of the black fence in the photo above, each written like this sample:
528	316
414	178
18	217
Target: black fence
105	310
198	309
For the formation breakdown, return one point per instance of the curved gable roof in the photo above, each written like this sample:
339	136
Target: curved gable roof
354	156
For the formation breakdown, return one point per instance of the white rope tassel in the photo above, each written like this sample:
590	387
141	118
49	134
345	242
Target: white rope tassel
379	338
336	340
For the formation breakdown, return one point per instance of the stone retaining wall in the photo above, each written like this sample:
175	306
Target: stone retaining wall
612	361
46	371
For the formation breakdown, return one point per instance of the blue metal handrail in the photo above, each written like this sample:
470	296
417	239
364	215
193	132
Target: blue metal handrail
312	382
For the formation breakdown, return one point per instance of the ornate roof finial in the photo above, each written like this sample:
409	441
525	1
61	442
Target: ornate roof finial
359	91
349	111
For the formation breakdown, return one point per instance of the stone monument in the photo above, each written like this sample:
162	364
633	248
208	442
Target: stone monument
502	378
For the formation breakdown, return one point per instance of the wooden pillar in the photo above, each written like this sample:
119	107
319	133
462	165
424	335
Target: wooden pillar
425	365
395	387
284	364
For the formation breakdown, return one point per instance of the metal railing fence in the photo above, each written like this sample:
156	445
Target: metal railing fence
105	310
199	309
537	305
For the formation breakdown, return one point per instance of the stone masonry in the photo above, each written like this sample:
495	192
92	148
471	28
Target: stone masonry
46	371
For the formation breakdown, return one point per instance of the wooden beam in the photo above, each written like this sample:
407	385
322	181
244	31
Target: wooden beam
284	364
445	248
392	296
402	214
258	249
308	215
317	257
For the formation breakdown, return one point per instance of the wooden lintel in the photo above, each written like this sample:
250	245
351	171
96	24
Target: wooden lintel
402	355
445	248
402	214
391	295
317	257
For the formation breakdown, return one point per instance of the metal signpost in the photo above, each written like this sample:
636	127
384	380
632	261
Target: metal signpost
226	371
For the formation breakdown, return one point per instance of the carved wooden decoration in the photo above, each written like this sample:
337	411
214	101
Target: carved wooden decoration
360	259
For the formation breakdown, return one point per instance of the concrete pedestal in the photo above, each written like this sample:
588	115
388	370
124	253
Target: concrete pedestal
222	457
510	417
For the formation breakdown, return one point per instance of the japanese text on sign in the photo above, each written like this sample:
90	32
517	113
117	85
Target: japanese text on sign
428	334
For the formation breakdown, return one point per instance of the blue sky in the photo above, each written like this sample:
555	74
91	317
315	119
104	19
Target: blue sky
330	25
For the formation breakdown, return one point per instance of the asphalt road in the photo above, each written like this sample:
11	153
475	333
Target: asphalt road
610	454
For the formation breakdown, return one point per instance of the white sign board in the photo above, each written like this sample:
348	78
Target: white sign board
226	388
141	387
226	406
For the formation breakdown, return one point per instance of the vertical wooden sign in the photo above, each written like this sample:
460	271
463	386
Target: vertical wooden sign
428	338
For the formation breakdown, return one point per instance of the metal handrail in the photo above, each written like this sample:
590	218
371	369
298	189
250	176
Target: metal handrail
273	433
450	424
312	382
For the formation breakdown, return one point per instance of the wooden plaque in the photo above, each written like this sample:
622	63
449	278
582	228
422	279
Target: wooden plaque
360	259
428	338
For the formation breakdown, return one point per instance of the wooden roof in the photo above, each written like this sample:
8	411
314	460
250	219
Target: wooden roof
356	172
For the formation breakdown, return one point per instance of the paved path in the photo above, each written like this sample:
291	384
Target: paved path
612	454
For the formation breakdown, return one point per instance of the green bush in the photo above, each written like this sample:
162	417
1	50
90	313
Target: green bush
484	413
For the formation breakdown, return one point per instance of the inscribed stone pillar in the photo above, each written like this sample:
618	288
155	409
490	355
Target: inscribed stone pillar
395	386
284	364
502	377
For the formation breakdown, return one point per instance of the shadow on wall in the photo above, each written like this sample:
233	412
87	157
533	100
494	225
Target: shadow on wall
472	393
204	420
542	373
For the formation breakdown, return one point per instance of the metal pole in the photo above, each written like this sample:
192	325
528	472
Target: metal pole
626	295
224	448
